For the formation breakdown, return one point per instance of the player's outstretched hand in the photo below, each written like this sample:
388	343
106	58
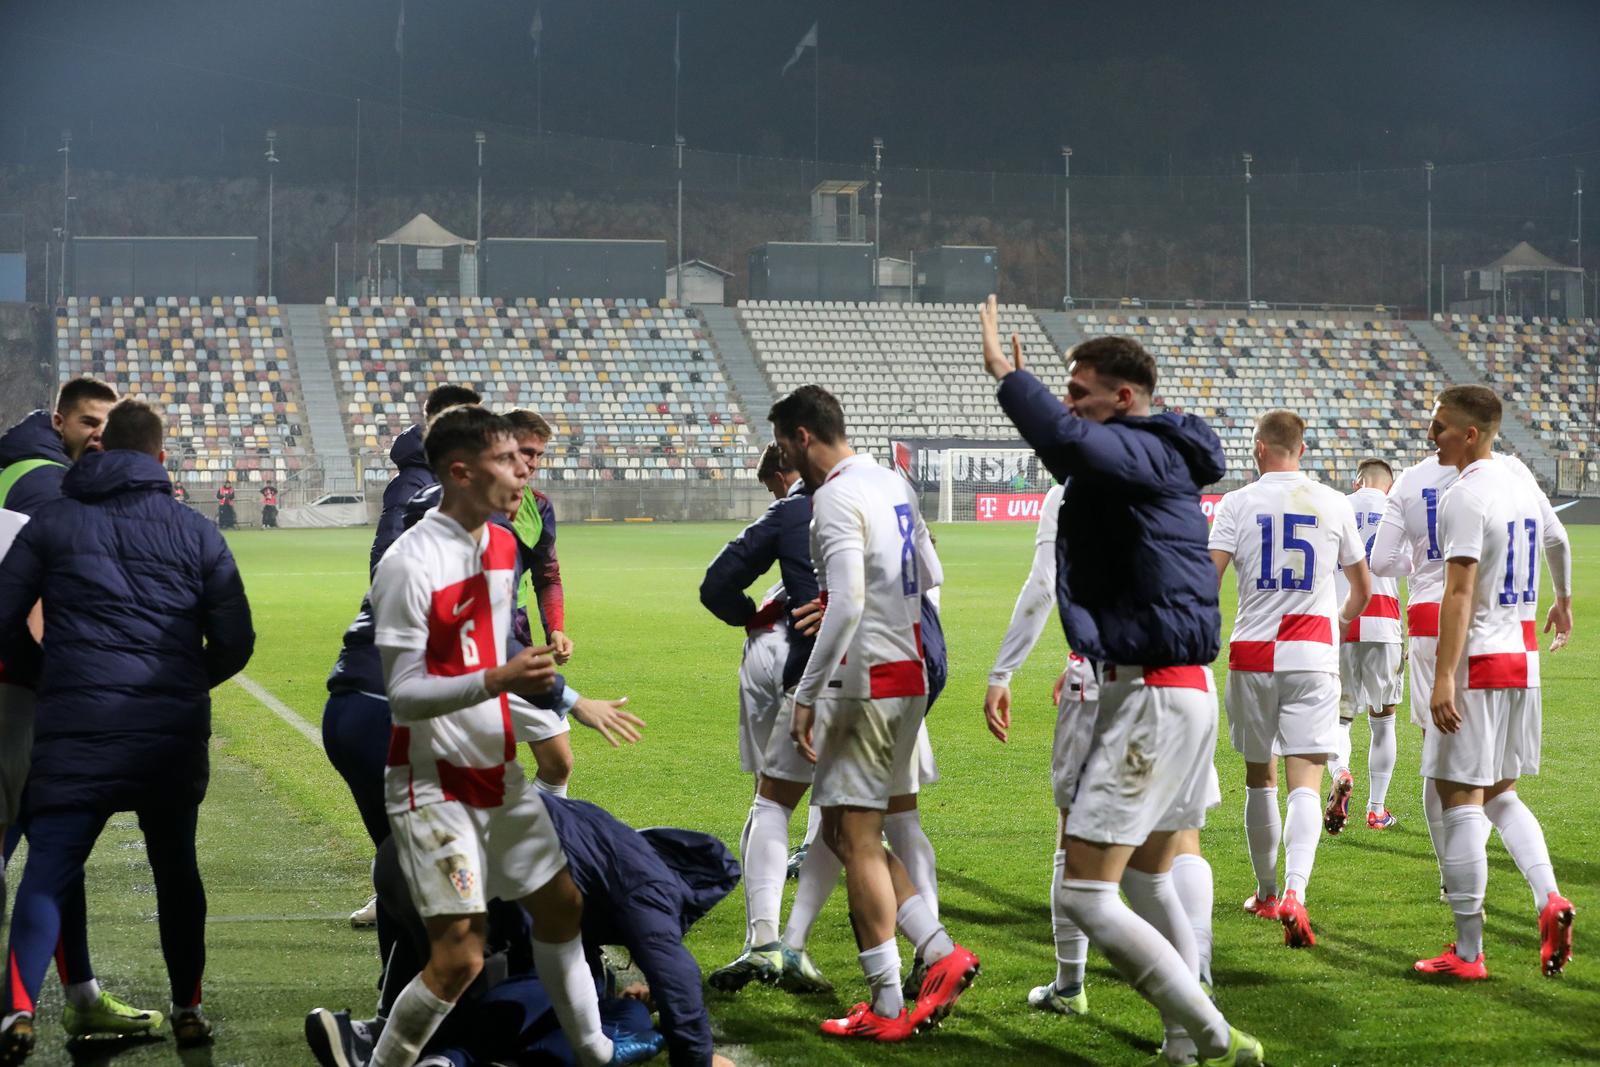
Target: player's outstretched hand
800	730
529	673
808	618
1559	620
997	710
1443	705
561	645
607	718
994	356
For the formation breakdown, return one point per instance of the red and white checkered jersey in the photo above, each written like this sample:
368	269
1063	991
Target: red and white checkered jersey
1379	621
864	508
449	595
1413	506
1082	685
1286	533
1493	515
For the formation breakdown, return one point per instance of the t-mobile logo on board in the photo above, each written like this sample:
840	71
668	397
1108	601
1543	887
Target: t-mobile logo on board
987	506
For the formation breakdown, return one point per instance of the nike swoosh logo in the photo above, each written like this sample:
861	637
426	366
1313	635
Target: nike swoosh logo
455	612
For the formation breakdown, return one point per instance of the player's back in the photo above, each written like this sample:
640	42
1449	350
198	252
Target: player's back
1380	619
1287	535
865	503
1493	512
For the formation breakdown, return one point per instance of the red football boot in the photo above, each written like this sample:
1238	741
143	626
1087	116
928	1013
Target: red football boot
1337	811
864	1023
1261	907
1296	923
1450	965
1555	934
946	981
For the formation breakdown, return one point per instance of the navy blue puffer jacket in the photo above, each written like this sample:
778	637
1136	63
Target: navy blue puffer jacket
34	437
144	612
411	477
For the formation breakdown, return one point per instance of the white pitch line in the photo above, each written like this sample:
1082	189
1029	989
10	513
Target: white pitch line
280	709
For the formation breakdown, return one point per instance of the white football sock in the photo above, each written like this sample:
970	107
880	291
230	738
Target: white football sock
549	790
813	825
566	977
1433	811
415	1017
881	965
1263	827
1466	872
916	920
1191	877
1340	761
1072	947
82	995
1380	761
1155	900
1523	837
766	861
908	842
1302	828
1147	960
818	875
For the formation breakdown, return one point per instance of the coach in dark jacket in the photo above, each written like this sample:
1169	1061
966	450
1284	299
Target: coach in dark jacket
36	452
412	473
145	613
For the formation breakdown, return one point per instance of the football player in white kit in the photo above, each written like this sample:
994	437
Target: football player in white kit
1370	671
1485	705
1284	535
859	706
1407	546
468	825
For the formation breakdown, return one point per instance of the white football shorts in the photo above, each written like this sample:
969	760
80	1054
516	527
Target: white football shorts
761	695
1424	653
1500	738
1149	763
1369	677
457	858
868	750
1282	713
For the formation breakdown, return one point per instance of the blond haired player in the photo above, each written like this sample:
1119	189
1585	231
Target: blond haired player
1485	706
1284	535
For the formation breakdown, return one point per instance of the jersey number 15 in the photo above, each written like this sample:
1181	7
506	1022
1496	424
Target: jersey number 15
1273	577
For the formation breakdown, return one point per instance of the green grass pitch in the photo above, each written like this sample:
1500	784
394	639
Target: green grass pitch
285	858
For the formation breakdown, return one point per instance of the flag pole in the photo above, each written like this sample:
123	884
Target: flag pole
400	47
816	101
677	44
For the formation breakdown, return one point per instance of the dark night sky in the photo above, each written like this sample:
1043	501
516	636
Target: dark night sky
1135	87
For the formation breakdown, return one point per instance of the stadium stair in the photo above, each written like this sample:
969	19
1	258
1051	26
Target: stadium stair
308	336
744	373
1061	328
1523	441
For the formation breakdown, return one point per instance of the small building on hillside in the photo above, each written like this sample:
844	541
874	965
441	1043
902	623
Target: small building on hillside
703	283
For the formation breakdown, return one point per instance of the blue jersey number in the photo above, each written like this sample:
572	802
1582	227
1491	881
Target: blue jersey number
1365	521
1529	593
1273	577
1430	497
908	549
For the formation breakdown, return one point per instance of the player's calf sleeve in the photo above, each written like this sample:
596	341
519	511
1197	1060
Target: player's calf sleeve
813	825
766	858
1302	829
818	875
414	1019
1072	947
1523	837
881	965
908	841
1191	877
1263	828
1433	811
917	921
1380	761
1147	960
1341	755
567	978
1466	871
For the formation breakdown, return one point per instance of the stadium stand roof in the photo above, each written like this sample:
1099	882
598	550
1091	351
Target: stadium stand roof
1527	257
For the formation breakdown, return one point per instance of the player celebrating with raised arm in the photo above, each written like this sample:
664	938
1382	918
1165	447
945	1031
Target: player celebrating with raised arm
1137	595
1285	534
859	706
1369	665
1485	705
467	824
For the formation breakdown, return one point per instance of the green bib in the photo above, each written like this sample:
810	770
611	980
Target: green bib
529	526
13	474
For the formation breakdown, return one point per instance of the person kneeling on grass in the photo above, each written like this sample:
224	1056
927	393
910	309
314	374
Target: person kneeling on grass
642	890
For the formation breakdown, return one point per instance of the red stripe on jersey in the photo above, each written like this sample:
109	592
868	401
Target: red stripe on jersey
916	631
1530	635
500	554
1318	628
1176	678
902	678
461	628
1251	655
475	787
1422	620
1352	632
399	746
1381	607
505	722
1498	670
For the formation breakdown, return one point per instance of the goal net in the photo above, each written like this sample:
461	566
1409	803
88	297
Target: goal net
991	485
